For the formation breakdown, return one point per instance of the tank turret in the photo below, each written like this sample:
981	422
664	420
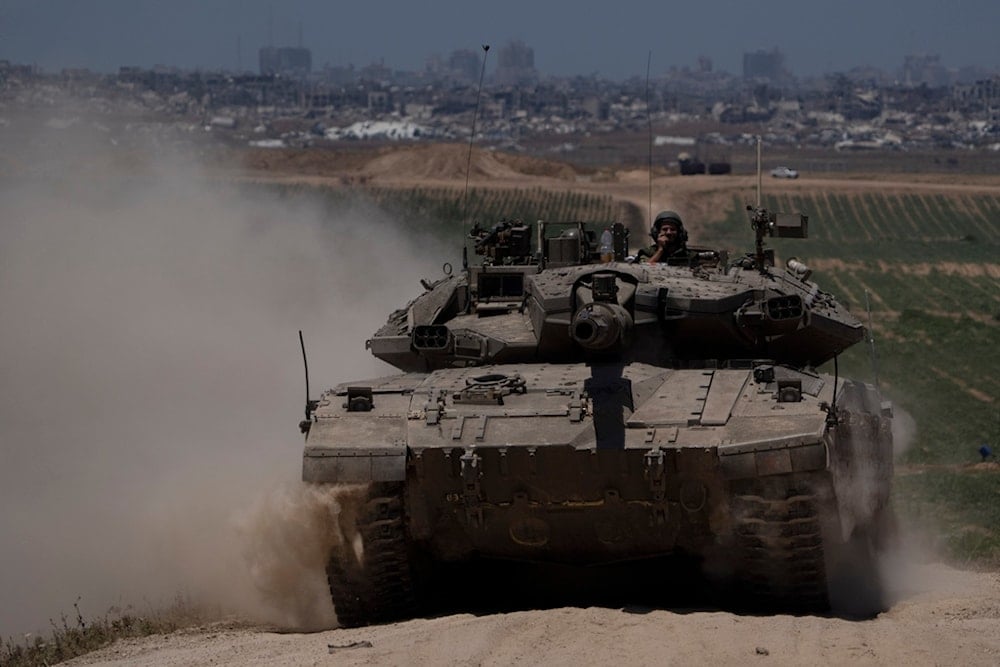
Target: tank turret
561	303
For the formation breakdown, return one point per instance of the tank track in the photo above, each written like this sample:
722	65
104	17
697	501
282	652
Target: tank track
376	587
779	531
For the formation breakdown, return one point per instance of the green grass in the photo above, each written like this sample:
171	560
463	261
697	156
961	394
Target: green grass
923	363
937	328
960	507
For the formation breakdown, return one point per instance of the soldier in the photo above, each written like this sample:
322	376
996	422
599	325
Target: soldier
671	239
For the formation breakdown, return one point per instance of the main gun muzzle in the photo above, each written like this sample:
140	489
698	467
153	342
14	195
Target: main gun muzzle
601	326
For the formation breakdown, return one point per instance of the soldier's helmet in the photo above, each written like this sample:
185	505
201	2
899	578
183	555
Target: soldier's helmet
675	219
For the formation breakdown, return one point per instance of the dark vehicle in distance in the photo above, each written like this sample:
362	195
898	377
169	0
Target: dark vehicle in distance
559	410
690	165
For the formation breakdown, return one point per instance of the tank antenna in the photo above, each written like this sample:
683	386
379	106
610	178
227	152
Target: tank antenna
468	164
309	403
649	121
759	184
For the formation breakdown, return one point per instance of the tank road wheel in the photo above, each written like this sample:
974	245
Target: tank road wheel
369	571
779	540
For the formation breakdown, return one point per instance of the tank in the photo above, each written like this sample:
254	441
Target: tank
559	410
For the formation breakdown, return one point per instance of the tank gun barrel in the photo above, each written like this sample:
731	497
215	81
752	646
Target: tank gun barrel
601	326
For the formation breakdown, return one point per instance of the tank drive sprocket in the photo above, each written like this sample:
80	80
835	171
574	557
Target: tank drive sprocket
369	571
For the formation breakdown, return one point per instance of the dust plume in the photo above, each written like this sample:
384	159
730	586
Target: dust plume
887	562
151	379
904	431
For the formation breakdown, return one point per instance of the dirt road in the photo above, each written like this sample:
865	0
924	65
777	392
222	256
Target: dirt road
945	617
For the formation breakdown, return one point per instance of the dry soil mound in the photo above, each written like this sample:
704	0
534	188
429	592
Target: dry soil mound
451	161
429	162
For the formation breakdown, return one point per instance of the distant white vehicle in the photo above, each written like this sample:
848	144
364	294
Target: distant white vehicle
784	172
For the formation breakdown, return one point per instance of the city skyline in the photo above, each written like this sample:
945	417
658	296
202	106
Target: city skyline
590	39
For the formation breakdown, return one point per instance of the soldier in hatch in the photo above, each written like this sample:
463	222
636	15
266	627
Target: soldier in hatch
671	239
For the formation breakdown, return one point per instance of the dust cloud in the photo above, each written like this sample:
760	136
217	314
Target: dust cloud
151	379
904	431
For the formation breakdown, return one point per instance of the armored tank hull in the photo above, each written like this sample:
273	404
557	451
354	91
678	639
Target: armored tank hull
585	414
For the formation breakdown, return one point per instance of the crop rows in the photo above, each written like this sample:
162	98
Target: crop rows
881	217
928	264
487	206
928	252
894	287
443	210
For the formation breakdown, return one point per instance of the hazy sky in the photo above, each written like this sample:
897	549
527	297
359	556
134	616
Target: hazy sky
609	37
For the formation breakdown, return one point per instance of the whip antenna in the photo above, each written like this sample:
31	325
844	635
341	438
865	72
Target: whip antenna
759	183
310	403
649	121
305	363
468	164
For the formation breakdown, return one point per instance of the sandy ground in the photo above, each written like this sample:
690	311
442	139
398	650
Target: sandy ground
946	617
